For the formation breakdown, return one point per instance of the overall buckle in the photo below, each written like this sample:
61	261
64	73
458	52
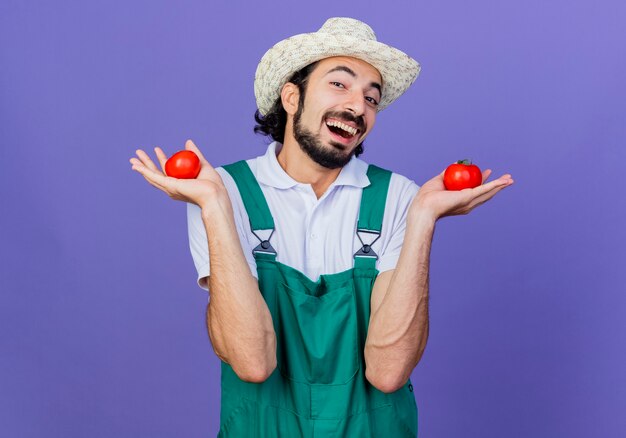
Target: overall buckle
265	247
366	250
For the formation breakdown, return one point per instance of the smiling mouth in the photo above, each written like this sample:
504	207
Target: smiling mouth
342	129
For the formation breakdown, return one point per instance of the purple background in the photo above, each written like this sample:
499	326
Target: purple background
101	322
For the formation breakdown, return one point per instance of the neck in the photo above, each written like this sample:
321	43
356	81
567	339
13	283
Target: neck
298	165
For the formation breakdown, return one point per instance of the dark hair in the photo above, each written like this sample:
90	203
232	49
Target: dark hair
274	122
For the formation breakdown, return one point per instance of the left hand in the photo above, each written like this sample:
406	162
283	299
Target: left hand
202	190
434	200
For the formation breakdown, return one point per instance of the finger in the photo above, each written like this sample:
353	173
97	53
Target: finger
155	178
148	179
440	176
138	166
485	197
490	194
486	174
190	145
144	171
154	184
161	157
485	188
145	159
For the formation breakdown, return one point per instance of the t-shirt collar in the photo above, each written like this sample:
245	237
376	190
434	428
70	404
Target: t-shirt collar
270	172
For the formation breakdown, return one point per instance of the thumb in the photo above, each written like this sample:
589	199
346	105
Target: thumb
190	146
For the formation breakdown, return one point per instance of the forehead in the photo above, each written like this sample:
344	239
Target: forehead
363	69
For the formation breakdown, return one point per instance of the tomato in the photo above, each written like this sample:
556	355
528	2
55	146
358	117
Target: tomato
183	165
462	175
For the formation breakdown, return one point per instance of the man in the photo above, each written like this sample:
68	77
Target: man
318	271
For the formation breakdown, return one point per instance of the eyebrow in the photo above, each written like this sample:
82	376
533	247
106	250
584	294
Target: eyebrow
353	74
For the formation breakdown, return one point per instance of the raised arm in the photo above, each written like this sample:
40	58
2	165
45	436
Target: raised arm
238	319
398	328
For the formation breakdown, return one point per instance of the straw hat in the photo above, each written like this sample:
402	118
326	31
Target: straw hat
337	37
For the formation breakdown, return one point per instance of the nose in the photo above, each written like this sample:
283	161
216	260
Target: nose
356	103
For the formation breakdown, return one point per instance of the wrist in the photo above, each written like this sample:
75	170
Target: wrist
215	203
421	214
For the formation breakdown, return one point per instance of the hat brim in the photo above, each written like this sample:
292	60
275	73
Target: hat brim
398	70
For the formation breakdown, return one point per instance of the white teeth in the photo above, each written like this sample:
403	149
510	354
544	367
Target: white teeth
348	129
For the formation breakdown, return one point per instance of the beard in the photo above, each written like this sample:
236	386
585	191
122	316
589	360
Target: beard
311	144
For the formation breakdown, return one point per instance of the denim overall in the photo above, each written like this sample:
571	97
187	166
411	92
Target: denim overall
319	387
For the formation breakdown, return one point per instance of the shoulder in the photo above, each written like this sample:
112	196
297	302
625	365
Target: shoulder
229	181
403	183
400	186
401	192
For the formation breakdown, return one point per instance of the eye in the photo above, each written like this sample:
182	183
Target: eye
337	84
371	100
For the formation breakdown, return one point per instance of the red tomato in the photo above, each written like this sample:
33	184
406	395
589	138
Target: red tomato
462	175
183	165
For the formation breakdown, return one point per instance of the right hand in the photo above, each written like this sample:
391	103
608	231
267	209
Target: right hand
437	202
199	191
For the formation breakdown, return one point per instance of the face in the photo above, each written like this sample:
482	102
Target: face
338	111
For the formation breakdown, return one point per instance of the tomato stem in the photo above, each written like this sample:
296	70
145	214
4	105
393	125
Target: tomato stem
466	161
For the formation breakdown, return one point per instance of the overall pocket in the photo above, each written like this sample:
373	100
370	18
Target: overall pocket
317	335
241	421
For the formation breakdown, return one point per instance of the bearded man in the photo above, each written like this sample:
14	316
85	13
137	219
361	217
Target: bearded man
316	261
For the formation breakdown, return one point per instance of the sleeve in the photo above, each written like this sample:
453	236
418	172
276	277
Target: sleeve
198	242
401	193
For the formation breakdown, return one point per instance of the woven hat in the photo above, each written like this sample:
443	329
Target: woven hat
337	37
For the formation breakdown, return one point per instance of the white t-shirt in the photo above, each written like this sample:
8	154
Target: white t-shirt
314	236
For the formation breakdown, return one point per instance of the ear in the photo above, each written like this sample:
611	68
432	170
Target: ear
290	95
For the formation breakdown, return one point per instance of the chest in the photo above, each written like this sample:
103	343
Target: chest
315	236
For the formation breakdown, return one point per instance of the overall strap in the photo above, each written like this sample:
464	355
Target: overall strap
371	214
255	203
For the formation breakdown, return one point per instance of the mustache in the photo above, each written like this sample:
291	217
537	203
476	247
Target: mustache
345	115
